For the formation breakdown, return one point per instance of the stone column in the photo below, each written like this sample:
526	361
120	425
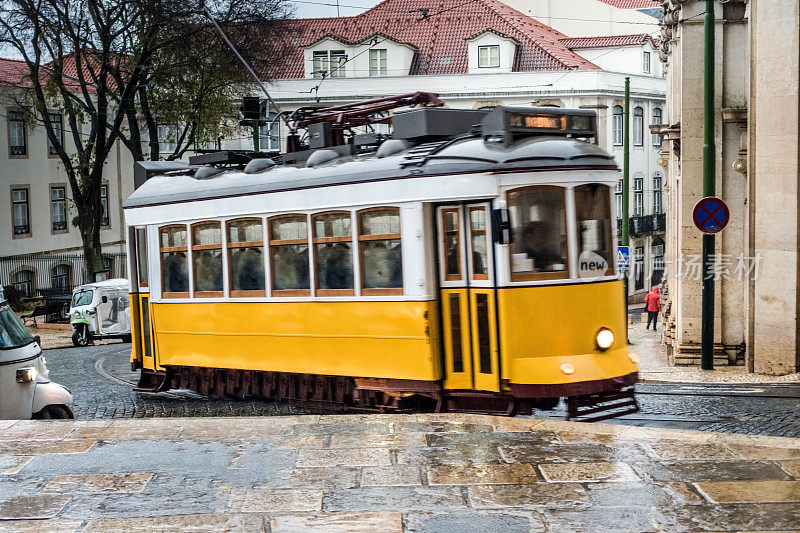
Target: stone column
775	168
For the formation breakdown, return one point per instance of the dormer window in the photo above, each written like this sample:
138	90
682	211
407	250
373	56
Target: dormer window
646	62
377	62
489	56
329	63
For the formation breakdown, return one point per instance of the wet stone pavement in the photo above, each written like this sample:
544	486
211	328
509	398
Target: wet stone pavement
390	473
101	381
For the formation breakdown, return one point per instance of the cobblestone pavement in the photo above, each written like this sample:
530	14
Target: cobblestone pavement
390	473
101	381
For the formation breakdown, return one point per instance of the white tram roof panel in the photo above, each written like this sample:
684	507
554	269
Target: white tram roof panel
459	156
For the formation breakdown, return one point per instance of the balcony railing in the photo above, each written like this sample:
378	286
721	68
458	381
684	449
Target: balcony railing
22	229
644	224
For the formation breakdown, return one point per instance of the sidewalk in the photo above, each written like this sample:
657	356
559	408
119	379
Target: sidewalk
55	336
654	366
390	473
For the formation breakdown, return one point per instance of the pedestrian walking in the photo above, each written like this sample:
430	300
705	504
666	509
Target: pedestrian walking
652	303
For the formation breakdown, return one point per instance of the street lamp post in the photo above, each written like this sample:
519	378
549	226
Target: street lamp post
709	186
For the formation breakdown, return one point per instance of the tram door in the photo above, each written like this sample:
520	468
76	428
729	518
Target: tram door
467	297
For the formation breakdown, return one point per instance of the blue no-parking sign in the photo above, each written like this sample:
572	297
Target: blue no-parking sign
623	257
711	215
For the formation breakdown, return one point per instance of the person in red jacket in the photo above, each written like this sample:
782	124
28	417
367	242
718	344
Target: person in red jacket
652	303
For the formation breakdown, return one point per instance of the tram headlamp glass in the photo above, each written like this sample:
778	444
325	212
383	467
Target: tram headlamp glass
604	339
27	374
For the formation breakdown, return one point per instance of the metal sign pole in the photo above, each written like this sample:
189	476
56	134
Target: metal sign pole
709	186
626	159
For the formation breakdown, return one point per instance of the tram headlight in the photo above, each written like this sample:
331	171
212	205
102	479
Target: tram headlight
604	338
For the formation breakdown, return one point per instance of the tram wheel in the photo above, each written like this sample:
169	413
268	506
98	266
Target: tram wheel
547	404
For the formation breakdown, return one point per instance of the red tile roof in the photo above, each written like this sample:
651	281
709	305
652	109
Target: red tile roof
13	72
438	36
633	4
607	41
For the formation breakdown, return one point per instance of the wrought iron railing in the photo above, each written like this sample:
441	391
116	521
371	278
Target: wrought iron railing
644	224
37	274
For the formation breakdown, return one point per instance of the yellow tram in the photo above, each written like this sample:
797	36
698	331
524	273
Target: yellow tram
469	272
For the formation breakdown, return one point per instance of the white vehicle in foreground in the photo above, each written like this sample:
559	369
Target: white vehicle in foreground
25	387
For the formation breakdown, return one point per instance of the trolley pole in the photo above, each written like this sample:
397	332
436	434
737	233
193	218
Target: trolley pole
709	188
626	160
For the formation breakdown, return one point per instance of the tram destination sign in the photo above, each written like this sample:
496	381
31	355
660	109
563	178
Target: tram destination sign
711	215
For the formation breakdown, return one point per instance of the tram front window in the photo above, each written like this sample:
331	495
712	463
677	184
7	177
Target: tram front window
593	211
538	225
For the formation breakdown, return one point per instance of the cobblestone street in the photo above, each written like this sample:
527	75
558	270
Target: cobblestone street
390	473
101	381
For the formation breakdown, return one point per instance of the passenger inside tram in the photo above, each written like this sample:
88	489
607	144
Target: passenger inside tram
248	269
176	275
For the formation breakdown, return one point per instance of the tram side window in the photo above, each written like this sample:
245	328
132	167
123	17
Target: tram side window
207	259
593	211
288	244
141	255
539	233
246	257
174	262
381	254
333	253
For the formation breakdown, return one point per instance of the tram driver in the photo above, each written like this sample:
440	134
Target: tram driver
536	245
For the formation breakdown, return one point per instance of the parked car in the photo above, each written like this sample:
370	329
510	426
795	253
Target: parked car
100	310
25	387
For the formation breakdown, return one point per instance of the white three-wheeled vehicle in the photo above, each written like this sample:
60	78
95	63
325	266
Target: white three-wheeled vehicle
25	387
100	310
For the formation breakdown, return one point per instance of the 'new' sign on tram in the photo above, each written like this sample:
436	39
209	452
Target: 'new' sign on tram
711	215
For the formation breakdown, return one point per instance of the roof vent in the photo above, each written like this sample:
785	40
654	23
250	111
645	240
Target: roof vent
258	165
391	147
204	173
320	157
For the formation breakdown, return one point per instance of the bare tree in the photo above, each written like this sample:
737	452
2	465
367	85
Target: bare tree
115	68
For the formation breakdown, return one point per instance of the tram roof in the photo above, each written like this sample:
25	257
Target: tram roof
459	156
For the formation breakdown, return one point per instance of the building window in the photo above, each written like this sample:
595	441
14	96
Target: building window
377	62
269	130
646	62
58	131
58	209
108	265
658	195
618	199
489	56
288	247
380	251
329	64
539	233
17	134
638	126
60	278
618	129
246	257
638	197
333	254
20	211
104	221
638	268
167	138
658	262
657	118
174	262
207	259
23	282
